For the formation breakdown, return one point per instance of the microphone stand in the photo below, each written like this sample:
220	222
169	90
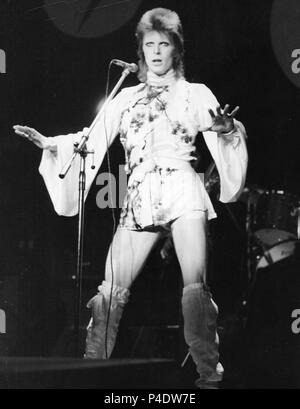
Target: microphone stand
81	149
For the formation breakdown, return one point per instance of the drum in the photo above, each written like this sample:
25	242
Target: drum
277	253
276	217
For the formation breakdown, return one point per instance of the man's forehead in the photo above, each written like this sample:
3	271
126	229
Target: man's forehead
155	36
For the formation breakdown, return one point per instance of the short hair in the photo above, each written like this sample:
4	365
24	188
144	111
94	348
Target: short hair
167	22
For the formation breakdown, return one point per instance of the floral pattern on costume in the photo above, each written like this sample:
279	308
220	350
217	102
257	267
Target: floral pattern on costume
181	131
142	114
138	121
129	216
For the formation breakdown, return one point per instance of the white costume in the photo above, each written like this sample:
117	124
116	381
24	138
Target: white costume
157	122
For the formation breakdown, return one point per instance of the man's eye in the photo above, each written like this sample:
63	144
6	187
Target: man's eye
165	43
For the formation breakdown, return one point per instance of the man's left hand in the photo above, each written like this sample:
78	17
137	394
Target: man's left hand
222	121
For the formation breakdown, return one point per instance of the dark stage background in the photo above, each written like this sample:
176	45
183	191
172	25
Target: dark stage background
54	82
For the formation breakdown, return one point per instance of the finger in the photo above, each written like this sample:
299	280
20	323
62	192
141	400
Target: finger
24	131
19	128
219	111
233	113
20	131
212	114
226	109
30	131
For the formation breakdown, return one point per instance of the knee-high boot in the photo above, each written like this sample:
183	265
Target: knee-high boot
200	324
99	345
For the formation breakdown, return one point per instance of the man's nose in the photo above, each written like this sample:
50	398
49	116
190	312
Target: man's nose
157	49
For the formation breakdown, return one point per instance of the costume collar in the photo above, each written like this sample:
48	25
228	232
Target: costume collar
155	80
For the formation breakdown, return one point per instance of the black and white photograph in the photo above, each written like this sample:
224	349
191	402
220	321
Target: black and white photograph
150	197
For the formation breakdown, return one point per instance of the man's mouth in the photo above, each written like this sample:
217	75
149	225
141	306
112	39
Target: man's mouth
156	61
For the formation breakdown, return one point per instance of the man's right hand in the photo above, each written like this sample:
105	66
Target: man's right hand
33	136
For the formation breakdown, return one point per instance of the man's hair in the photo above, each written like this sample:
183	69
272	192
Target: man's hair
167	22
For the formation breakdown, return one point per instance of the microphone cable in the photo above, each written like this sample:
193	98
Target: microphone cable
113	213
112	210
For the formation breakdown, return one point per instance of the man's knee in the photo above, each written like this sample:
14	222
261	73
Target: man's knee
194	273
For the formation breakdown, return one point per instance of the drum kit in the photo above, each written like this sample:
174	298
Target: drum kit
272	226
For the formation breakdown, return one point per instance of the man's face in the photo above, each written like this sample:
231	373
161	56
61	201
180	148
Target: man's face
158	51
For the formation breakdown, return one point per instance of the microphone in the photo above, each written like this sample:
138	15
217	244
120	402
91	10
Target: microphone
131	67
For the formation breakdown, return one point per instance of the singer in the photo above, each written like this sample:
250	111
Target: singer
157	121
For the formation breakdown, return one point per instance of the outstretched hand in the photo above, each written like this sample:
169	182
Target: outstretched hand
222	121
32	135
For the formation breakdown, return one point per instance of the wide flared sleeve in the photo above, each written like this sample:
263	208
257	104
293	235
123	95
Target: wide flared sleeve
64	192
229	152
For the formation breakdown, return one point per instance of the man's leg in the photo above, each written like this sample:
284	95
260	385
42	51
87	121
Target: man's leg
125	260
199	310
